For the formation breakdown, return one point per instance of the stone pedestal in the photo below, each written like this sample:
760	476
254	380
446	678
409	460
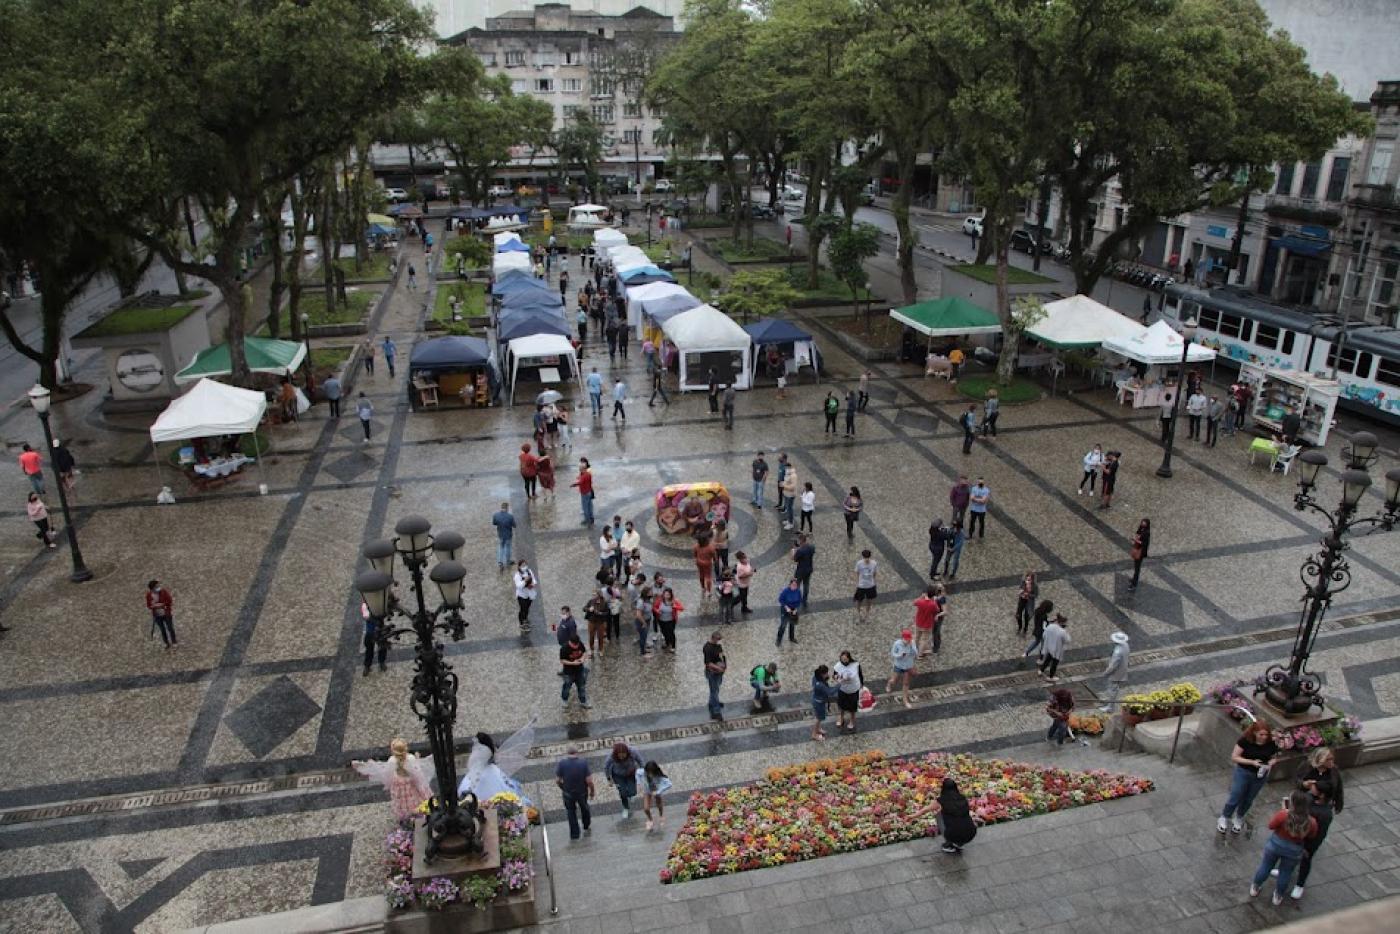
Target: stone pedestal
458	869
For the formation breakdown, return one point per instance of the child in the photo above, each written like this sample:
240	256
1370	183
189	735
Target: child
782	387
823	692
726	596
653	783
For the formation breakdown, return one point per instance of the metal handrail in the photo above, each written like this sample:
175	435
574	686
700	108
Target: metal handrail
1181	714
548	858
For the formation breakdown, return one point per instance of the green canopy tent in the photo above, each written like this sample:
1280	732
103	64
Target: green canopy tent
947	317
264	355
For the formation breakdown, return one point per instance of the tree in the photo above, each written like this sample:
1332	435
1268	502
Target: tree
850	247
578	144
1026	312
756	293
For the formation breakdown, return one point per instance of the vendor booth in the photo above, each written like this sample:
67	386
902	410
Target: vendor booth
512	246
1280	393
644	275
264	355
707	339
449	371
504	262
550	356
526	321
944	319
625	258
650	304
516	283
587	216
214	415
501	239
1158	345
608	239
505	222
781	348
1074	323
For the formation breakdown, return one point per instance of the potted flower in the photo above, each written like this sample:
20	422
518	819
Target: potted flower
1135	708
1185	696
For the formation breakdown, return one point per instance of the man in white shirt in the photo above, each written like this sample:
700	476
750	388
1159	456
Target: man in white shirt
1196	405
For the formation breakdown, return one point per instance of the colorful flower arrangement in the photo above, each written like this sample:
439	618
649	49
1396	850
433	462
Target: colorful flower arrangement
865	800
1090	724
513	820
1300	738
1163	703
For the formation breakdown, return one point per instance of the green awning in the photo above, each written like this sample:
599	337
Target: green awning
948	317
264	355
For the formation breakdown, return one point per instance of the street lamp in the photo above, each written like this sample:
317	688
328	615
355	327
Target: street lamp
1188	331
454	829
39	398
1294	690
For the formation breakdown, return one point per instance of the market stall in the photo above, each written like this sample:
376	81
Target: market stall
512	246
449	371
1279	394
650	304
211	410
644	275
264	355
608	239
522	322
778	343
1075	323
1158	345
624	258
505	222
550	356
707	339
947	319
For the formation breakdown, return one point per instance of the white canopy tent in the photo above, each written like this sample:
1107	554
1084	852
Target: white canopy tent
503	261
540	348
210	409
707	338
628	257
505	222
608	238
1159	343
501	239
638	297
587	215
1079	322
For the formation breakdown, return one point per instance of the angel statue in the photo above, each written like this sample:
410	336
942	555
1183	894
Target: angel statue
404	775
490	769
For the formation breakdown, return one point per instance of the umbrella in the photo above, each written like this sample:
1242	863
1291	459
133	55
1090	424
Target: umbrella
548	397
379	219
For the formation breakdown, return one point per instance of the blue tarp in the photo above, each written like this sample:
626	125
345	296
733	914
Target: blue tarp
1303	246
526	283
647	274
776	331
449	353
532	301
513	246
532	321
382	230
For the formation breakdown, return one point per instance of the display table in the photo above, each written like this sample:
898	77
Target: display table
1141	396
1263	446
1033	361
222	466
427	392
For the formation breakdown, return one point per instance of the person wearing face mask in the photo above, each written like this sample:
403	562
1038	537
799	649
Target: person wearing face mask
526	590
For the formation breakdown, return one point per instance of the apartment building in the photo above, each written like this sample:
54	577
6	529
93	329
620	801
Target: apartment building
1366	264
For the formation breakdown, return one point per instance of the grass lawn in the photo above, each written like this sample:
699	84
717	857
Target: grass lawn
1020	390
1014	275
329	359
357	305
376	267
659	251
139	321
473	295
885	332
829	288
763	248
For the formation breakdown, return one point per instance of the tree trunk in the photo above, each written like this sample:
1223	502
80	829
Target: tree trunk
908	286
814	235
1006	362
271	207
53	304
324	225
1042	208
1237	242
731	174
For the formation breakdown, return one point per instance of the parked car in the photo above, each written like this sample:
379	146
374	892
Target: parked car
793	194
866	196
395	194
1022	240
663	185
972	226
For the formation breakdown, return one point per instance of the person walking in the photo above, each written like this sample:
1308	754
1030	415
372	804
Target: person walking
830	406
787	485
1039	620
902	656
331	389
968	421
959	495
619	395
529	470
39	515
1059	708
758	470
367	355
864	395
956	540
789	611
1196	406
956	358
867	568
33	466
809	506
715	665
728	407
980	501
1025	602
1322	780
162	608
823	693
1253	756
585	489
1215	411
573	656
390	352
621	772
848	685
1093	462
565	628
703	552
991	408
1110	477
764	681
413	279
365	410
926	611
526	590
667	612
658	387
954	816
712	391
545	474
594	382
1166	413
743	578
851	406
65	464
719	537
575	783
850	510
937	545
1142	541
803	556
1115	673
563	285
654	784
595	614
505	535
1293	826
1054	643
374	640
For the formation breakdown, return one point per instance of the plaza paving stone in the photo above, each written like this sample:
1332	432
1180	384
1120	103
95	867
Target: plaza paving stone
266	687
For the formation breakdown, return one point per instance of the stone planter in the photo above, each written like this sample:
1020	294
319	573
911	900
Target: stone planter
506	912
1287	765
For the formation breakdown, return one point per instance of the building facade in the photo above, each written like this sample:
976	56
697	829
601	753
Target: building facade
1366	264
454	16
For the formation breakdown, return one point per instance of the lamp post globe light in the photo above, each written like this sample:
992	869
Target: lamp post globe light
1188	333
454	828
1292	689
40	399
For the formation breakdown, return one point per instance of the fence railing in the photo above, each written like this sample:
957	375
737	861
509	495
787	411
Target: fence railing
548	856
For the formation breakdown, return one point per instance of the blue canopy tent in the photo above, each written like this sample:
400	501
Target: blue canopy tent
381	230
513	246
797	347
530	321
544	301
449	367
644	274
519	280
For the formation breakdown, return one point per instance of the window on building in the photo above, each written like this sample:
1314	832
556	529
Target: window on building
1209	319
572	85
1284	185
1385	289
515	57
544	85
570	110
658	136
1337	180
1349	360
658	112
631	137
603	113
1231	325
519	85
631	109
488	59
1379	170
1388	371
572	57
544	57
1311	173
600	87
1288	338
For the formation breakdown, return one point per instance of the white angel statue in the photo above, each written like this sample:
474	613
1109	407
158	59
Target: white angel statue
405	776
490	770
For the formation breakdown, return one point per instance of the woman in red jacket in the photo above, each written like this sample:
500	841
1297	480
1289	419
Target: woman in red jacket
667	612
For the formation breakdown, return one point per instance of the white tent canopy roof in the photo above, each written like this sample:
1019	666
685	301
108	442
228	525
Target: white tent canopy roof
589	208
541	345
705	328
1159	343
207	410
625	254
653	290
505	222
1081	322
507	237
609	236
503	261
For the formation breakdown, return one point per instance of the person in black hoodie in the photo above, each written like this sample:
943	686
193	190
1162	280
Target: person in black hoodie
954	818
1142	541
1038	621
1319	777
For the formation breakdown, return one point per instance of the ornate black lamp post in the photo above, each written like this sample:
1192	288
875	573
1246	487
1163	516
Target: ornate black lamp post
1294	690
1188	332
39	398
454	828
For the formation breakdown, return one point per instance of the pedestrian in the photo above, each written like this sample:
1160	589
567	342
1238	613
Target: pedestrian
823	693
653	784
956	540
719	537
1025	601
1060	707
375	640
621	772
1039	620
850	508
1110	476
1196	406
714	672
848	685
576	788
65	464
526	590
830	406
867	568
758	470
712	390
667	612
968	421
367	355
991	408
728	407
529	470
585	489
809	505
162	606
565	628
331	389
937	545
1244	399
940	616
851	405
1142	541
365	410
505	535
1115	673
959	496
631	543
803	556
1322	780
39	514
1054	642
1093	462
956	358
1293	826
287	400
390	352
642	618
789	610
1253	756
954	818
1166	413
787	485
743	578
595	614
864	399
926	611
658	387
980	501
764	680
704	553
902	656
573	656
610	332
1232	409
594	382
563	285
607	550
619	395
412	279
727	596
561	420
1215	411
545	474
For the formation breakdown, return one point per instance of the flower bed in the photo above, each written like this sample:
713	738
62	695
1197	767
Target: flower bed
479	890
865	800
1179	698
1300	738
